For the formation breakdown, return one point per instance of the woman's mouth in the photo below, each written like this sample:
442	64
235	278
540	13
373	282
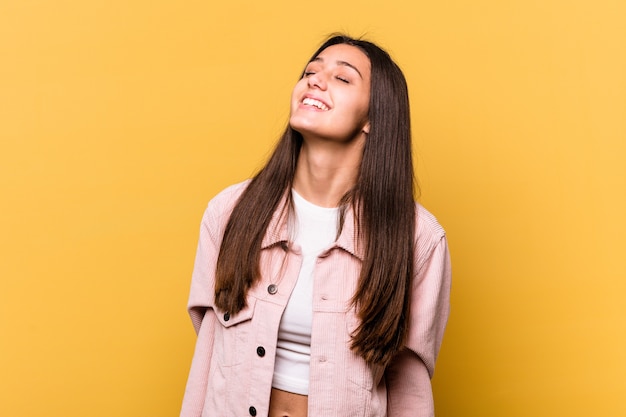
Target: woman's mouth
308	101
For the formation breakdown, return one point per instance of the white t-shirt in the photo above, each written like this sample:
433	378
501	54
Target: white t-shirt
315	229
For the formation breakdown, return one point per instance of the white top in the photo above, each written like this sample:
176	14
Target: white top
315	229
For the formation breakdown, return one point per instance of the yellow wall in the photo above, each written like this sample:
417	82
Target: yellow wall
120	119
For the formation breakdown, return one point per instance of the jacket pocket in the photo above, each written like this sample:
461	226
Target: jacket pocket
232	334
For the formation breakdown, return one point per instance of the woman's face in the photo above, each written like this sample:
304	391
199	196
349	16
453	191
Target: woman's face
331	101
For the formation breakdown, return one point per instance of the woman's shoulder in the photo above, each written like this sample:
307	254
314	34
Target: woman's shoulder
429	236
221	205
228	196
427	225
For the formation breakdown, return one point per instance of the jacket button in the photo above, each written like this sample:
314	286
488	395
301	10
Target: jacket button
260	351
272	289
226	316
252	411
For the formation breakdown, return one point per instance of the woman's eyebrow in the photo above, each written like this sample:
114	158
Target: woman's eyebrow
343	63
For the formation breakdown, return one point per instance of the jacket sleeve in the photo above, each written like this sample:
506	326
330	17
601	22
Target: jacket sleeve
200	306
409	391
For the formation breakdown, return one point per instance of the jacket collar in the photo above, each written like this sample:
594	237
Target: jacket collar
278	232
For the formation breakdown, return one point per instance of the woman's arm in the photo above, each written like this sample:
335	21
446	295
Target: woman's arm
195	392
408	376
202	314
409	392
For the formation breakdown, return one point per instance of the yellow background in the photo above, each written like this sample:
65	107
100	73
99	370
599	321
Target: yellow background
119	120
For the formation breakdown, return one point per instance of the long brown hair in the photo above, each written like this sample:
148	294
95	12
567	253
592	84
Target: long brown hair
383	203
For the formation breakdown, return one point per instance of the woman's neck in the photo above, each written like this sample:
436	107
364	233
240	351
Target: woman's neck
326	172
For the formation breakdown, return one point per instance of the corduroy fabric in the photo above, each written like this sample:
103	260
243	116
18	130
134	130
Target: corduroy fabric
228	376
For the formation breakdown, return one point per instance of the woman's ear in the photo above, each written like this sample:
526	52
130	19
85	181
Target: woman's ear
366	128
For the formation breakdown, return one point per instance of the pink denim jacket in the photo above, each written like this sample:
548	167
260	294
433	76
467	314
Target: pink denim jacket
232	368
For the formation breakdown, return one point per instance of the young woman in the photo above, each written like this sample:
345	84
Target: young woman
320	287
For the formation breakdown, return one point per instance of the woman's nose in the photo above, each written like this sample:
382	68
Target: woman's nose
317	80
